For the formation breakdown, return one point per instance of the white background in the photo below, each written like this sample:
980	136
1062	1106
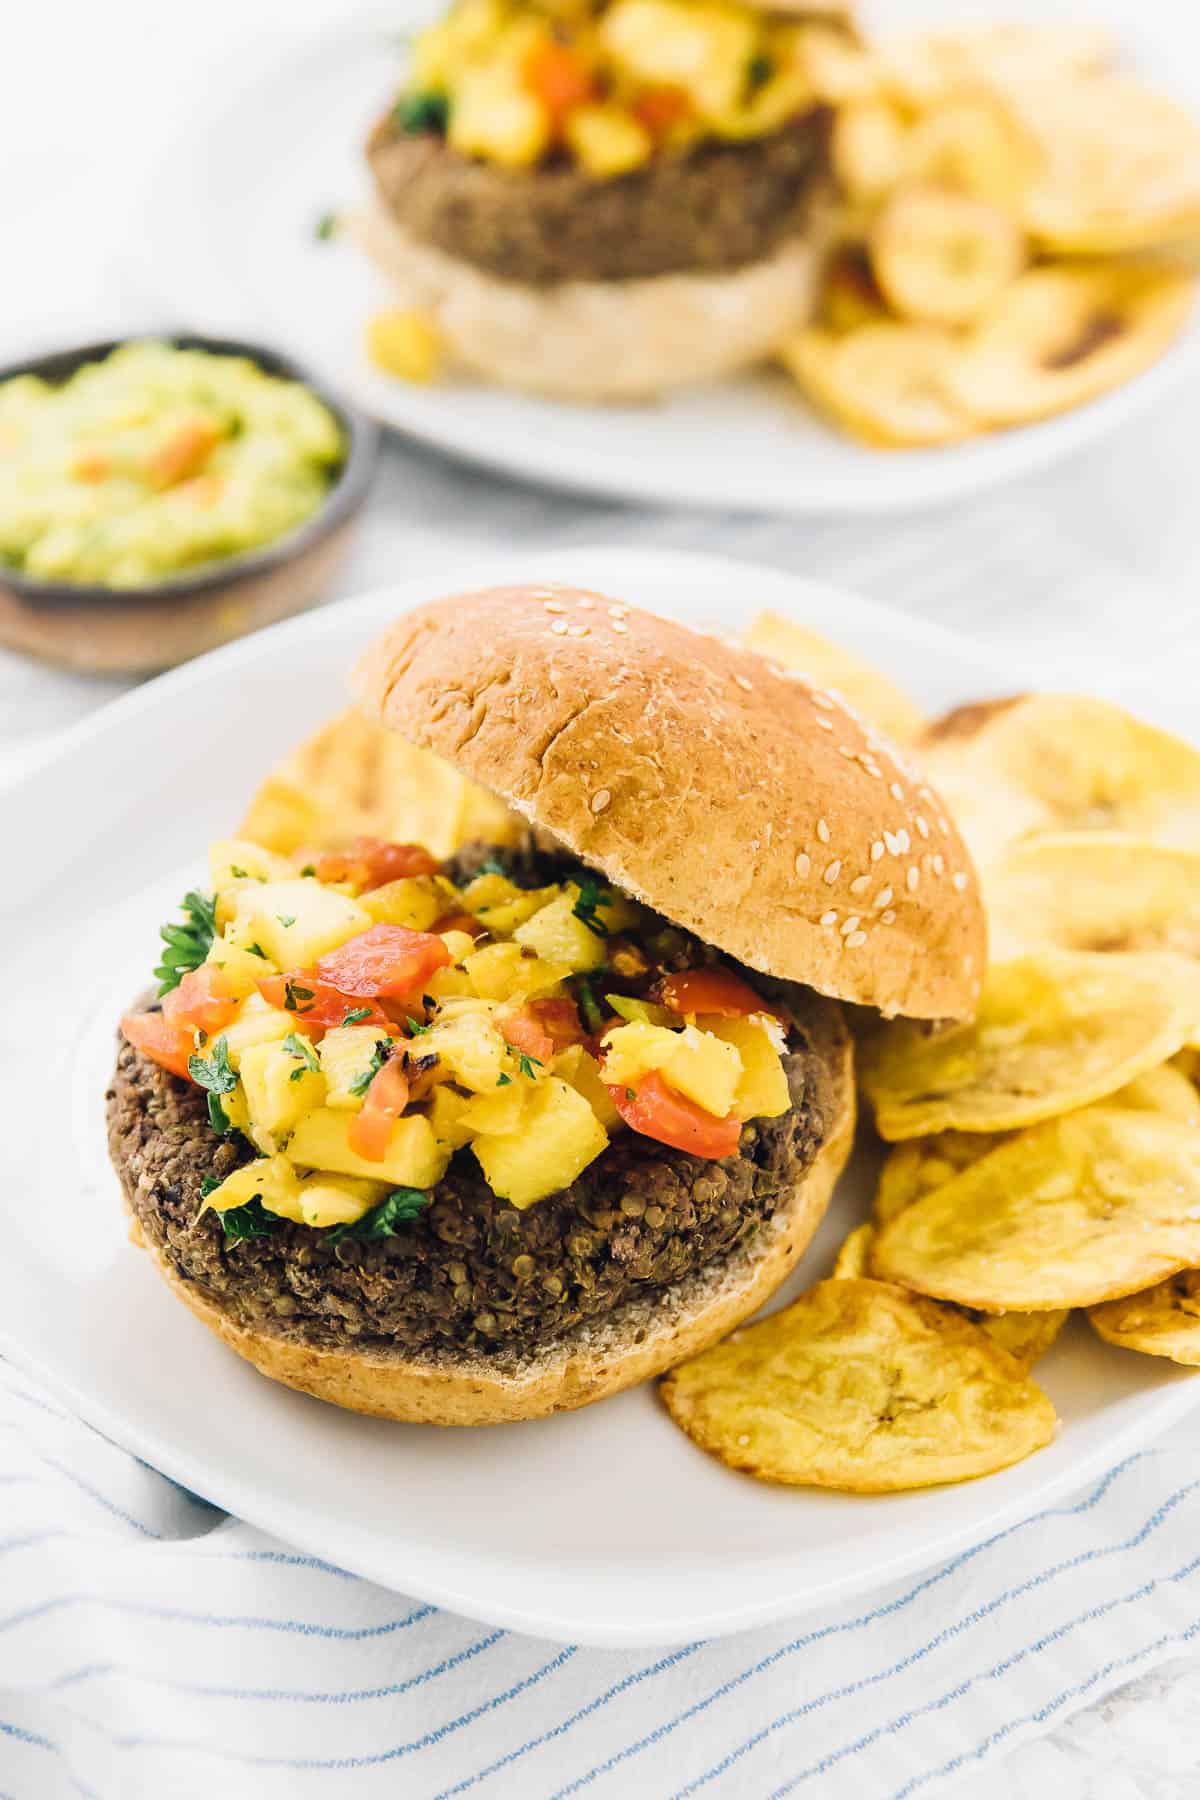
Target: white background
1095	565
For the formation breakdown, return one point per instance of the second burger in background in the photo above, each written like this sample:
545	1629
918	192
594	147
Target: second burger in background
604	201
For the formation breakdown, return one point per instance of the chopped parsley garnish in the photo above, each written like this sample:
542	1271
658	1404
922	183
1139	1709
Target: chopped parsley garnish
209	1185
325	227
186	945
256	950
217	1078
286	919
249	1221
383	1049
503	1080
427	111
401	1207
304	1053
759	71
491	865
527	1064
294	997
592	894
238	873
309	869
631	1093
416	1029
355	1014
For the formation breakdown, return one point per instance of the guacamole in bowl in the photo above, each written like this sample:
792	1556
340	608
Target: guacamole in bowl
154	461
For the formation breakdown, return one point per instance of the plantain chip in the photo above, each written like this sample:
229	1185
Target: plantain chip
920	68
1054	1031
1059	336
1160	1321
850	1263
861	1387
915	1169
971	145
1166	1090
886	383
1120	162
849	294
1078	1210
354	777
1061	762
867	147
872	695
1094	891
944	258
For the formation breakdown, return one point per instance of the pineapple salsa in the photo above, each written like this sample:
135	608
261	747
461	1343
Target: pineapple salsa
610	85
360	1019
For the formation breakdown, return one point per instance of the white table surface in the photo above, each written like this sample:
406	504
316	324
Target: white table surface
1092	571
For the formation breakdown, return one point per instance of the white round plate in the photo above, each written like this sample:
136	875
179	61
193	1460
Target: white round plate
229	244
603	1526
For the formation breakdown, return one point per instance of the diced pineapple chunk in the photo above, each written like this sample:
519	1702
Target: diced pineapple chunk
705	50
241	969
256	1023
405	342
699	1065
234	863
346	1054
297	921
494	116
762	1091
446	1108
280	1088
558	1137
502	1111
607	140
338	1199
469	30
415	901
233	1105
413	1158
509	972
557	935
459	943
270	1180
501	905
450	983
469	1048
580	1070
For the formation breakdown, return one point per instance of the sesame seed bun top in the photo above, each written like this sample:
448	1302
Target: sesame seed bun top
747	806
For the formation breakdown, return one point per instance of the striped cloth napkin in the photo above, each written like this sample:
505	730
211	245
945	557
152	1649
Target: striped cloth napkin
152	1646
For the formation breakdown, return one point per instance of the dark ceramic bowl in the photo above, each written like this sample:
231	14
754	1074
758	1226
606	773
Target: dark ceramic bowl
136	630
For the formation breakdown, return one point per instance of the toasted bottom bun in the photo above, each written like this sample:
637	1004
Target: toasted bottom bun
640	1339
598	340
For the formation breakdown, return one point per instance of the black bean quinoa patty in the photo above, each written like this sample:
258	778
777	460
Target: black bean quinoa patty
716	208
472	1272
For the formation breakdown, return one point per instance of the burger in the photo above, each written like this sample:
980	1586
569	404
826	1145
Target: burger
605	200
488	1137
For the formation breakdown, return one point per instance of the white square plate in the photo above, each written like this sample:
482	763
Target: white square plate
603	1526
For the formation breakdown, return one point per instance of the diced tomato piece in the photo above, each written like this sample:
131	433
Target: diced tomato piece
560	1019
522	1030
712	990
370	1130
388	961
202	1001
318	1005
657	1111
371	862
156	1036
459	921
558	77
659	109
